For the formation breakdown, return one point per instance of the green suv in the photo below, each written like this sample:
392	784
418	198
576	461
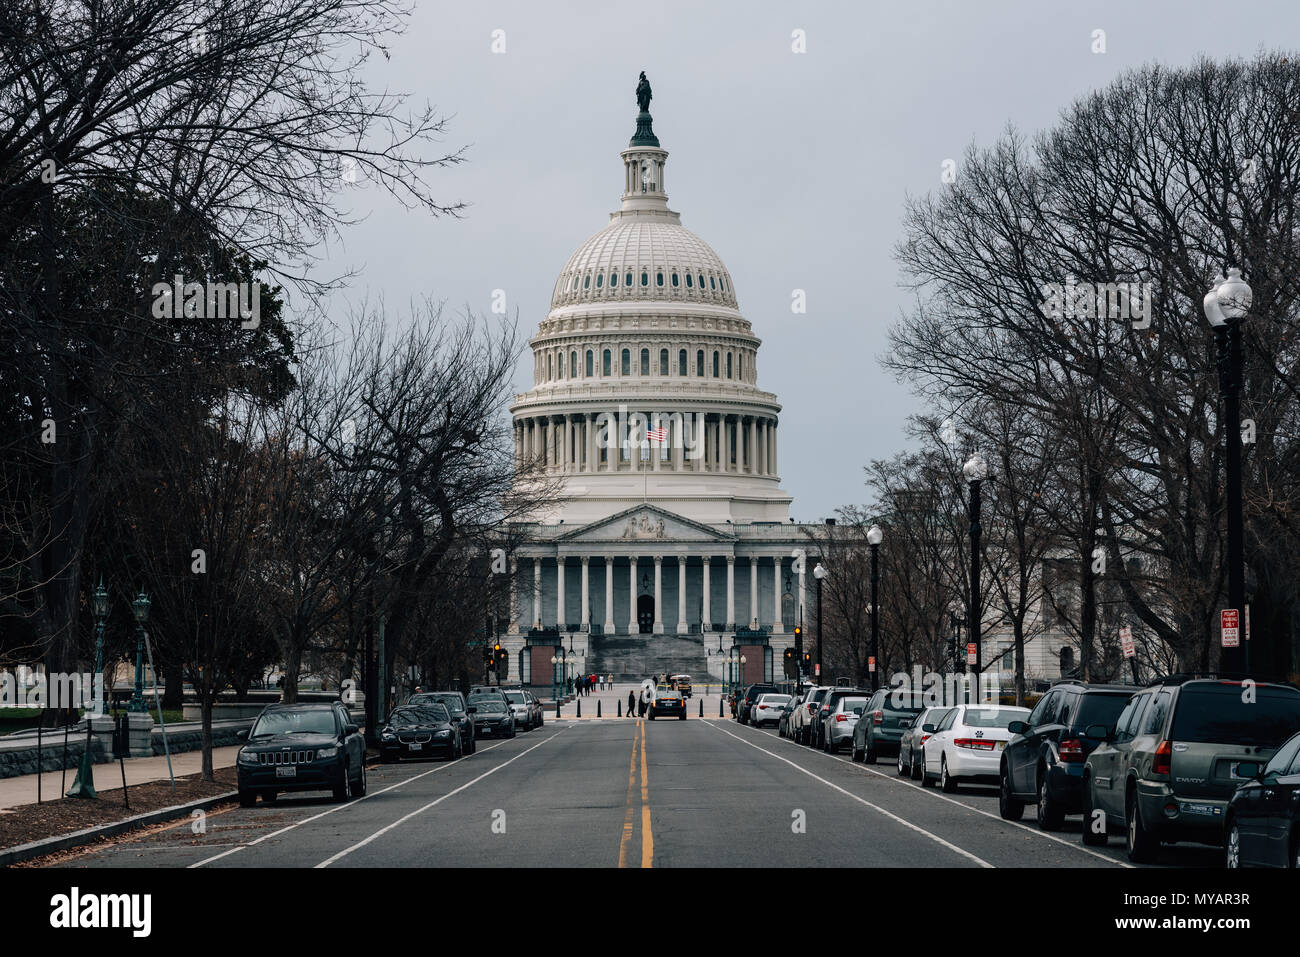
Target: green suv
1167	768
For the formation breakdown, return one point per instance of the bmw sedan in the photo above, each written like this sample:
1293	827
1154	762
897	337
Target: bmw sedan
420	731
492	718
454	702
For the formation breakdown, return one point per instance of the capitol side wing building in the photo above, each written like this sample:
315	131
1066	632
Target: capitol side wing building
670	547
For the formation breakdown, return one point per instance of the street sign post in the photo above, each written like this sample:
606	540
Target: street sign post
1126	641
970	653
1229	629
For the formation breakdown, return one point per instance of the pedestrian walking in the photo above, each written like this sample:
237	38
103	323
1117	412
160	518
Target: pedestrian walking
631	703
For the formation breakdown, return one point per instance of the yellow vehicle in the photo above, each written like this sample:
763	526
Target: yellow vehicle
682	683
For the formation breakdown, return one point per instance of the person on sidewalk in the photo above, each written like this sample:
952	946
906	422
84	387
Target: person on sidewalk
631	703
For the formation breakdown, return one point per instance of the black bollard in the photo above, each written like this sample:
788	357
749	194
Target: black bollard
579	707
719	707
620	708
557	707
597	707
701	707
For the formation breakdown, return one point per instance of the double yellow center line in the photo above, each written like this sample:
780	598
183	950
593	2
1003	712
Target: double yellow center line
647	835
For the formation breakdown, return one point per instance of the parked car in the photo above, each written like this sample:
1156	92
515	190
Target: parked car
914	737
843	717
1043	761
967	745
420	731
1168	767
803	718
301	747
1263	816
667	703
826	709
746	702
682	683
492	717
767	709
888	715
525	709
454	702
783	728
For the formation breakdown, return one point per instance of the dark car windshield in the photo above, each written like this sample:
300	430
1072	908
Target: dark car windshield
1217	714
909	702
424	714
452	702
1100	709
306	721
490	705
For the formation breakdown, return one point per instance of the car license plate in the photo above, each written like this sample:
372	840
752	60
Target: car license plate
286	772
1208	809
415	746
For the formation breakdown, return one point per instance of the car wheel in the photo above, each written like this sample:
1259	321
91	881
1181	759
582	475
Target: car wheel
1090	835
1232	847
926	780
1009	807
343	792
1140	841
360	789
247	798
1050	815
869	754
270	797
946	781
915	769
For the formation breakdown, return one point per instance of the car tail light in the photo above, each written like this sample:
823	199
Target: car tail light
762	707
1070	751
925	738
975	744
812	708
877	717
841	717
1164	752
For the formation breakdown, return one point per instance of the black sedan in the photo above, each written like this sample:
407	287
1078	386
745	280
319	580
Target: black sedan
301	747
492	718
667	703
454	702
1263	816
420	731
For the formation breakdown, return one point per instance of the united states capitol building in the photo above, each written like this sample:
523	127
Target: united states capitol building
671	541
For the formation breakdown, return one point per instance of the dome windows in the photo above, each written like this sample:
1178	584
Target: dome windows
699	363
627	362
605	367
586	283
701	282
645	278
728	365
627	281
600	280
663	362
659	279
573	365
688	281
712	284
681	363
645	361
590	364
675	284
715	365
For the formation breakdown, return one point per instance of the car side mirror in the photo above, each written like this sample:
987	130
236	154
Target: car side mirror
241	736
927	728
351	729
472	709
1101	732
1018	727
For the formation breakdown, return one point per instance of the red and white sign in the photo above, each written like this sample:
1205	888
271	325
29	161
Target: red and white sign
1126	641
970	654
817	670
1248	623
871	662
1229	629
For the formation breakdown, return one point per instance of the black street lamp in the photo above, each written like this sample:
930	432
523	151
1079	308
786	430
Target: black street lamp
141	609
975	470
874	536
1226	306
84	784
819	573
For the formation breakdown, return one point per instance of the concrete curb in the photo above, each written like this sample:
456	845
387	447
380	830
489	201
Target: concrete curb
62	842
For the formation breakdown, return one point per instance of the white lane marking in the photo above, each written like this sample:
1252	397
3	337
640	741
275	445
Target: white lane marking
875	807
1037	832
406	817
340	807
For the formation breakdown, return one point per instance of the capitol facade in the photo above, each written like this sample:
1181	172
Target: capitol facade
670	547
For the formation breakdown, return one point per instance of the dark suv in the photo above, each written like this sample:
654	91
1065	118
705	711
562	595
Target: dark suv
887	717
1167	768
751	695
1043	763
301	747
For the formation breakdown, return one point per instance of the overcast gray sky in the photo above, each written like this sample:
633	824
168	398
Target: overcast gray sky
794	167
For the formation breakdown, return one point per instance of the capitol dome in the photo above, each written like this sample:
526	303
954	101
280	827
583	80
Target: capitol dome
645	372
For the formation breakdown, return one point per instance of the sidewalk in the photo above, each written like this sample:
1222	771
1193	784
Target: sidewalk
21	790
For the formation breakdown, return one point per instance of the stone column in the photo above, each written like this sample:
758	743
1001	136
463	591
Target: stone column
682	626
705	624
586	594
731	594
560	618
590	427
514	595
656	451
609	594
773	469
753	590
753	445
537	593
631	614
566	429
778	626
659	595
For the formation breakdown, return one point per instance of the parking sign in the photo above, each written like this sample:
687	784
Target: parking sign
1228	628
1126	641
970	653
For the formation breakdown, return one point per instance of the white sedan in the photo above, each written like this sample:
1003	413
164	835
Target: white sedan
767	709
967	745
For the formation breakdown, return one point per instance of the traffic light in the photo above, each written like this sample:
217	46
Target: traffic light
789	662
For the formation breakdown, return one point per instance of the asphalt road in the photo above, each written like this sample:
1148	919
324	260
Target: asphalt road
632	793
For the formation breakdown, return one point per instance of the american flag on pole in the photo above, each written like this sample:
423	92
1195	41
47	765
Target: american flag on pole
657	435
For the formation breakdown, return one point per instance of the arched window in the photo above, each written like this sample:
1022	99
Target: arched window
740	366
605	364
573	365
674	280
590	361
645	361
728	365
688	281
715	364
645	278
681	363
712	283
701	282
699	363
659	279
663	361
550	372
600	280
627	362
586	283
627	280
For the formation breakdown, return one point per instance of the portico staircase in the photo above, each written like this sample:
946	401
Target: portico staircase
634	657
